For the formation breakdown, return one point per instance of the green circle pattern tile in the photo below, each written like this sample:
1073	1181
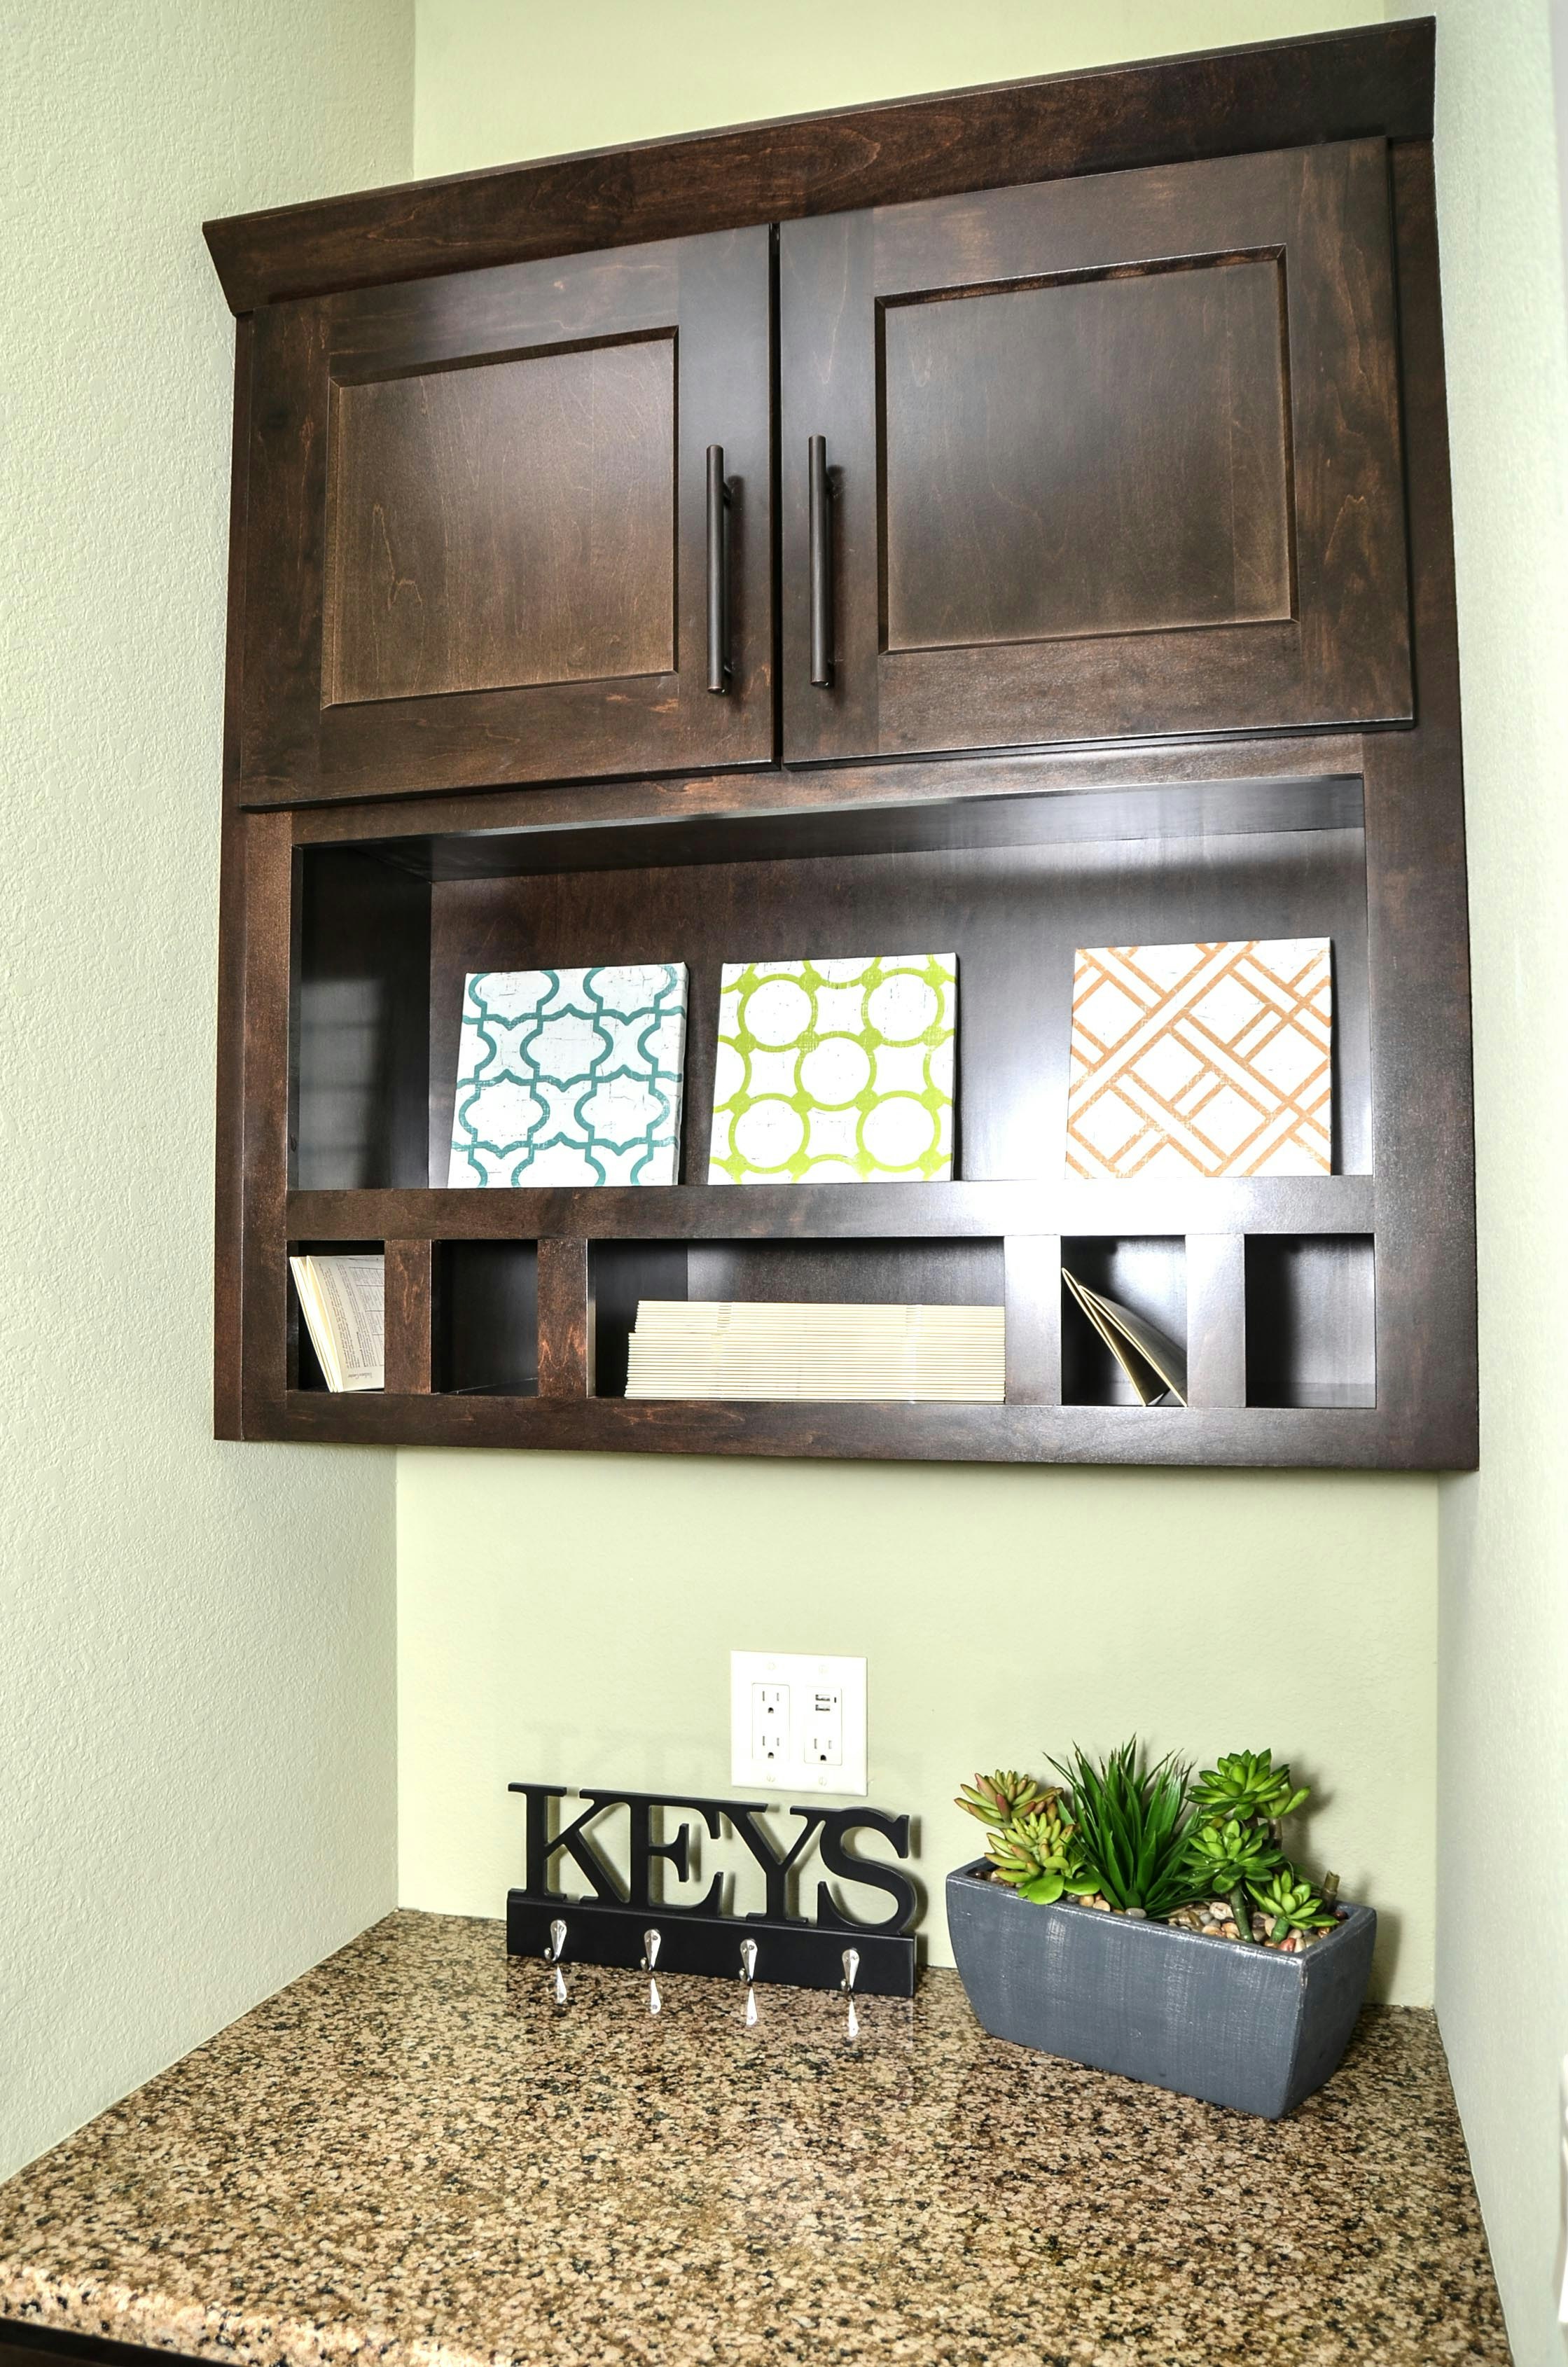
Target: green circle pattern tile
835	1070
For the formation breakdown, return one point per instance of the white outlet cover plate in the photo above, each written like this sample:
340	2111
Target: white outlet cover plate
804	1673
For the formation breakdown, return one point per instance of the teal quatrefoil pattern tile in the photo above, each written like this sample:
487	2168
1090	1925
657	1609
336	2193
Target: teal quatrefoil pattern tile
836	1072
570	1076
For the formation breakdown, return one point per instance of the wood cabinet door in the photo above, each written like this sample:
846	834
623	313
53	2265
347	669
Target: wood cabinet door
1110	455
478	528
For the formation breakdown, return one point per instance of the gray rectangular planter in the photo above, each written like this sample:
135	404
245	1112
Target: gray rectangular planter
1235	2024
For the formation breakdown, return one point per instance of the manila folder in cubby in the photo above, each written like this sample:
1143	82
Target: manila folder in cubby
1154	1364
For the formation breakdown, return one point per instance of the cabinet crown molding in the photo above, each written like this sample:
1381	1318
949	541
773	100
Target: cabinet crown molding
1373	80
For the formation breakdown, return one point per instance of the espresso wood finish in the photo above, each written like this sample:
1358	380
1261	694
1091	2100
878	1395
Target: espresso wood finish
1374	80
1032	1306
505	526
1418	916
359	1023
481	504
1040	482
265	1069
487	1309
563	1349
1216	1319
1293	782
1321	1438
1311	1327
409	1317
468	726
778	1212
229	1148
1110	457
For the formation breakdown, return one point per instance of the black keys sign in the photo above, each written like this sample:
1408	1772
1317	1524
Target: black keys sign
615	1923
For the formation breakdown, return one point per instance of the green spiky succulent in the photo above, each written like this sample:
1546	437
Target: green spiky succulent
1132	1825
1246	1784
997	1799
1292	1904
1038	1854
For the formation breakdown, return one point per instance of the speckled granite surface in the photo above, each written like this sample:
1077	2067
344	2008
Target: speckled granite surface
412	2154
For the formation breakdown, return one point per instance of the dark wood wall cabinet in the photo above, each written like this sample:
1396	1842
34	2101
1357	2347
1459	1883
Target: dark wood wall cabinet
1010	520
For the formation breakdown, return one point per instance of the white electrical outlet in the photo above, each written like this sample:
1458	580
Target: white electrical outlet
798	1722
770	1724
825	1726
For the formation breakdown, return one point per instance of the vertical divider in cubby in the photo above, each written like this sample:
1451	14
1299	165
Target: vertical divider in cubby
1216	1319
564	1359
410	1308
1032	1291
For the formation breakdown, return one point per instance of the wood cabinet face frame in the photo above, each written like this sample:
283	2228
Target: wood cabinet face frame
1413	1210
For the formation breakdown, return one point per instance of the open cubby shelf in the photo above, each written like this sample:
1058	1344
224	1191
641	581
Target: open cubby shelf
509	1311
1278	1321
389	934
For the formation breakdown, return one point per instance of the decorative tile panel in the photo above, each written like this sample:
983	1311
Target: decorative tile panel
570	1076
836	1072
1208	1060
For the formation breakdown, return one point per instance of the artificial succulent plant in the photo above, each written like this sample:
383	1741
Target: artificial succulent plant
1038	1854
1153	1841
1132	1825
1292	1905
1248	1786
997	1799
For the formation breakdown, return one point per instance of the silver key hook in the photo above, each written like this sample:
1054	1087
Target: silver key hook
748	1960
650	1958
851	1963
552	1957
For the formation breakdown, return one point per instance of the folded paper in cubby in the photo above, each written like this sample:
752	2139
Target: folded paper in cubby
835	1070
1150	1360
343	1300
570	1076
1208	1060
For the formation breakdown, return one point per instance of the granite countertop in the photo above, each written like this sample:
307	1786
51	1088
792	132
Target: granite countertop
412	2152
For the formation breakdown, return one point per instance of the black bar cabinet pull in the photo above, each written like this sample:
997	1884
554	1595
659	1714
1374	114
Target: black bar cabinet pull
820	559
718	571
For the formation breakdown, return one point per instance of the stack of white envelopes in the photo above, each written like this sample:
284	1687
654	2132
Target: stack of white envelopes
726	1348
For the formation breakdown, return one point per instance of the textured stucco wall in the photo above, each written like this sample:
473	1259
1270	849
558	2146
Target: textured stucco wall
197	1692
1503	1717
1003	1613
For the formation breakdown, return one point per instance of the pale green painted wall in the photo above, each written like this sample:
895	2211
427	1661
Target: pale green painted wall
1002	1611
1503	1973
568	1622
499	79
196	1641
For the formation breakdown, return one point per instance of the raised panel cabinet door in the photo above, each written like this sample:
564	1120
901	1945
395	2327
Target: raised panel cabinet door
489	534
1094	457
